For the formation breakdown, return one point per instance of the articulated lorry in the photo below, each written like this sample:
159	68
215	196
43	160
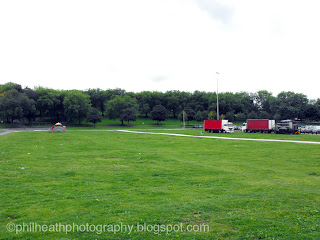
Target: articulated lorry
287	126
218	126
259	125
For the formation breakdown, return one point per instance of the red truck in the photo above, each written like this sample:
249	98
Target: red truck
218	126
259	125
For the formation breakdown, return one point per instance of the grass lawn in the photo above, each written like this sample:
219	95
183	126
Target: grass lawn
140	122
237	134
5	125
235	189
109	123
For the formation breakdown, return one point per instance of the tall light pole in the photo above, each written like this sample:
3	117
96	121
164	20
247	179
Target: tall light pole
217	98
184	120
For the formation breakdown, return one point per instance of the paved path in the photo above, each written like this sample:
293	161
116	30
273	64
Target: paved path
12	130
228	138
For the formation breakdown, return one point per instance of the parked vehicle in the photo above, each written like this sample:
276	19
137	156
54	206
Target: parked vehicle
316	130
259	125
237	128
218	126
309	129
287	126
303	130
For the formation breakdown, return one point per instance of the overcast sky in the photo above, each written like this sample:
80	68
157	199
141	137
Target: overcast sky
160	45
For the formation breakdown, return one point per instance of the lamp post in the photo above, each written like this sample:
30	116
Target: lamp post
184	120
217	98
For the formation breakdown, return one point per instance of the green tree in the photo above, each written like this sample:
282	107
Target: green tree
317	106
76	105
227	102
312	112
277	116
50	103
230	116
212	115
29	108
10	86
190	113
115	107
112	93
263	101
151	98
198	101
98	99
173	102
246	103
145	102
201	116
128	114
198	117
10	105
16	105
204	115
159	113
30	93
94	116
241	117
264	115
291	105
145	109
252	115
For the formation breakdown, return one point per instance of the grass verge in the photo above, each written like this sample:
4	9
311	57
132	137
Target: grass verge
241	190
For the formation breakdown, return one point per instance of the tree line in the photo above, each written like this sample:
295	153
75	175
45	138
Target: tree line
17	103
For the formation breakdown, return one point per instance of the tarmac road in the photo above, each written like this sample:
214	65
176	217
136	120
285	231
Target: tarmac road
12	130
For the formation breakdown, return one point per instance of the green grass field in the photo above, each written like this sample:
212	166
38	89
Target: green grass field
234	189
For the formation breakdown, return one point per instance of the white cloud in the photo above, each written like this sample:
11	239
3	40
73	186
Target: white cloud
219	10
255	45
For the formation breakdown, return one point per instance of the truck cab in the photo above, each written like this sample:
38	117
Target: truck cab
228	127
244	127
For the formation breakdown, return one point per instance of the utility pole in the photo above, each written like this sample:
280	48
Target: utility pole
217	98
184	120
